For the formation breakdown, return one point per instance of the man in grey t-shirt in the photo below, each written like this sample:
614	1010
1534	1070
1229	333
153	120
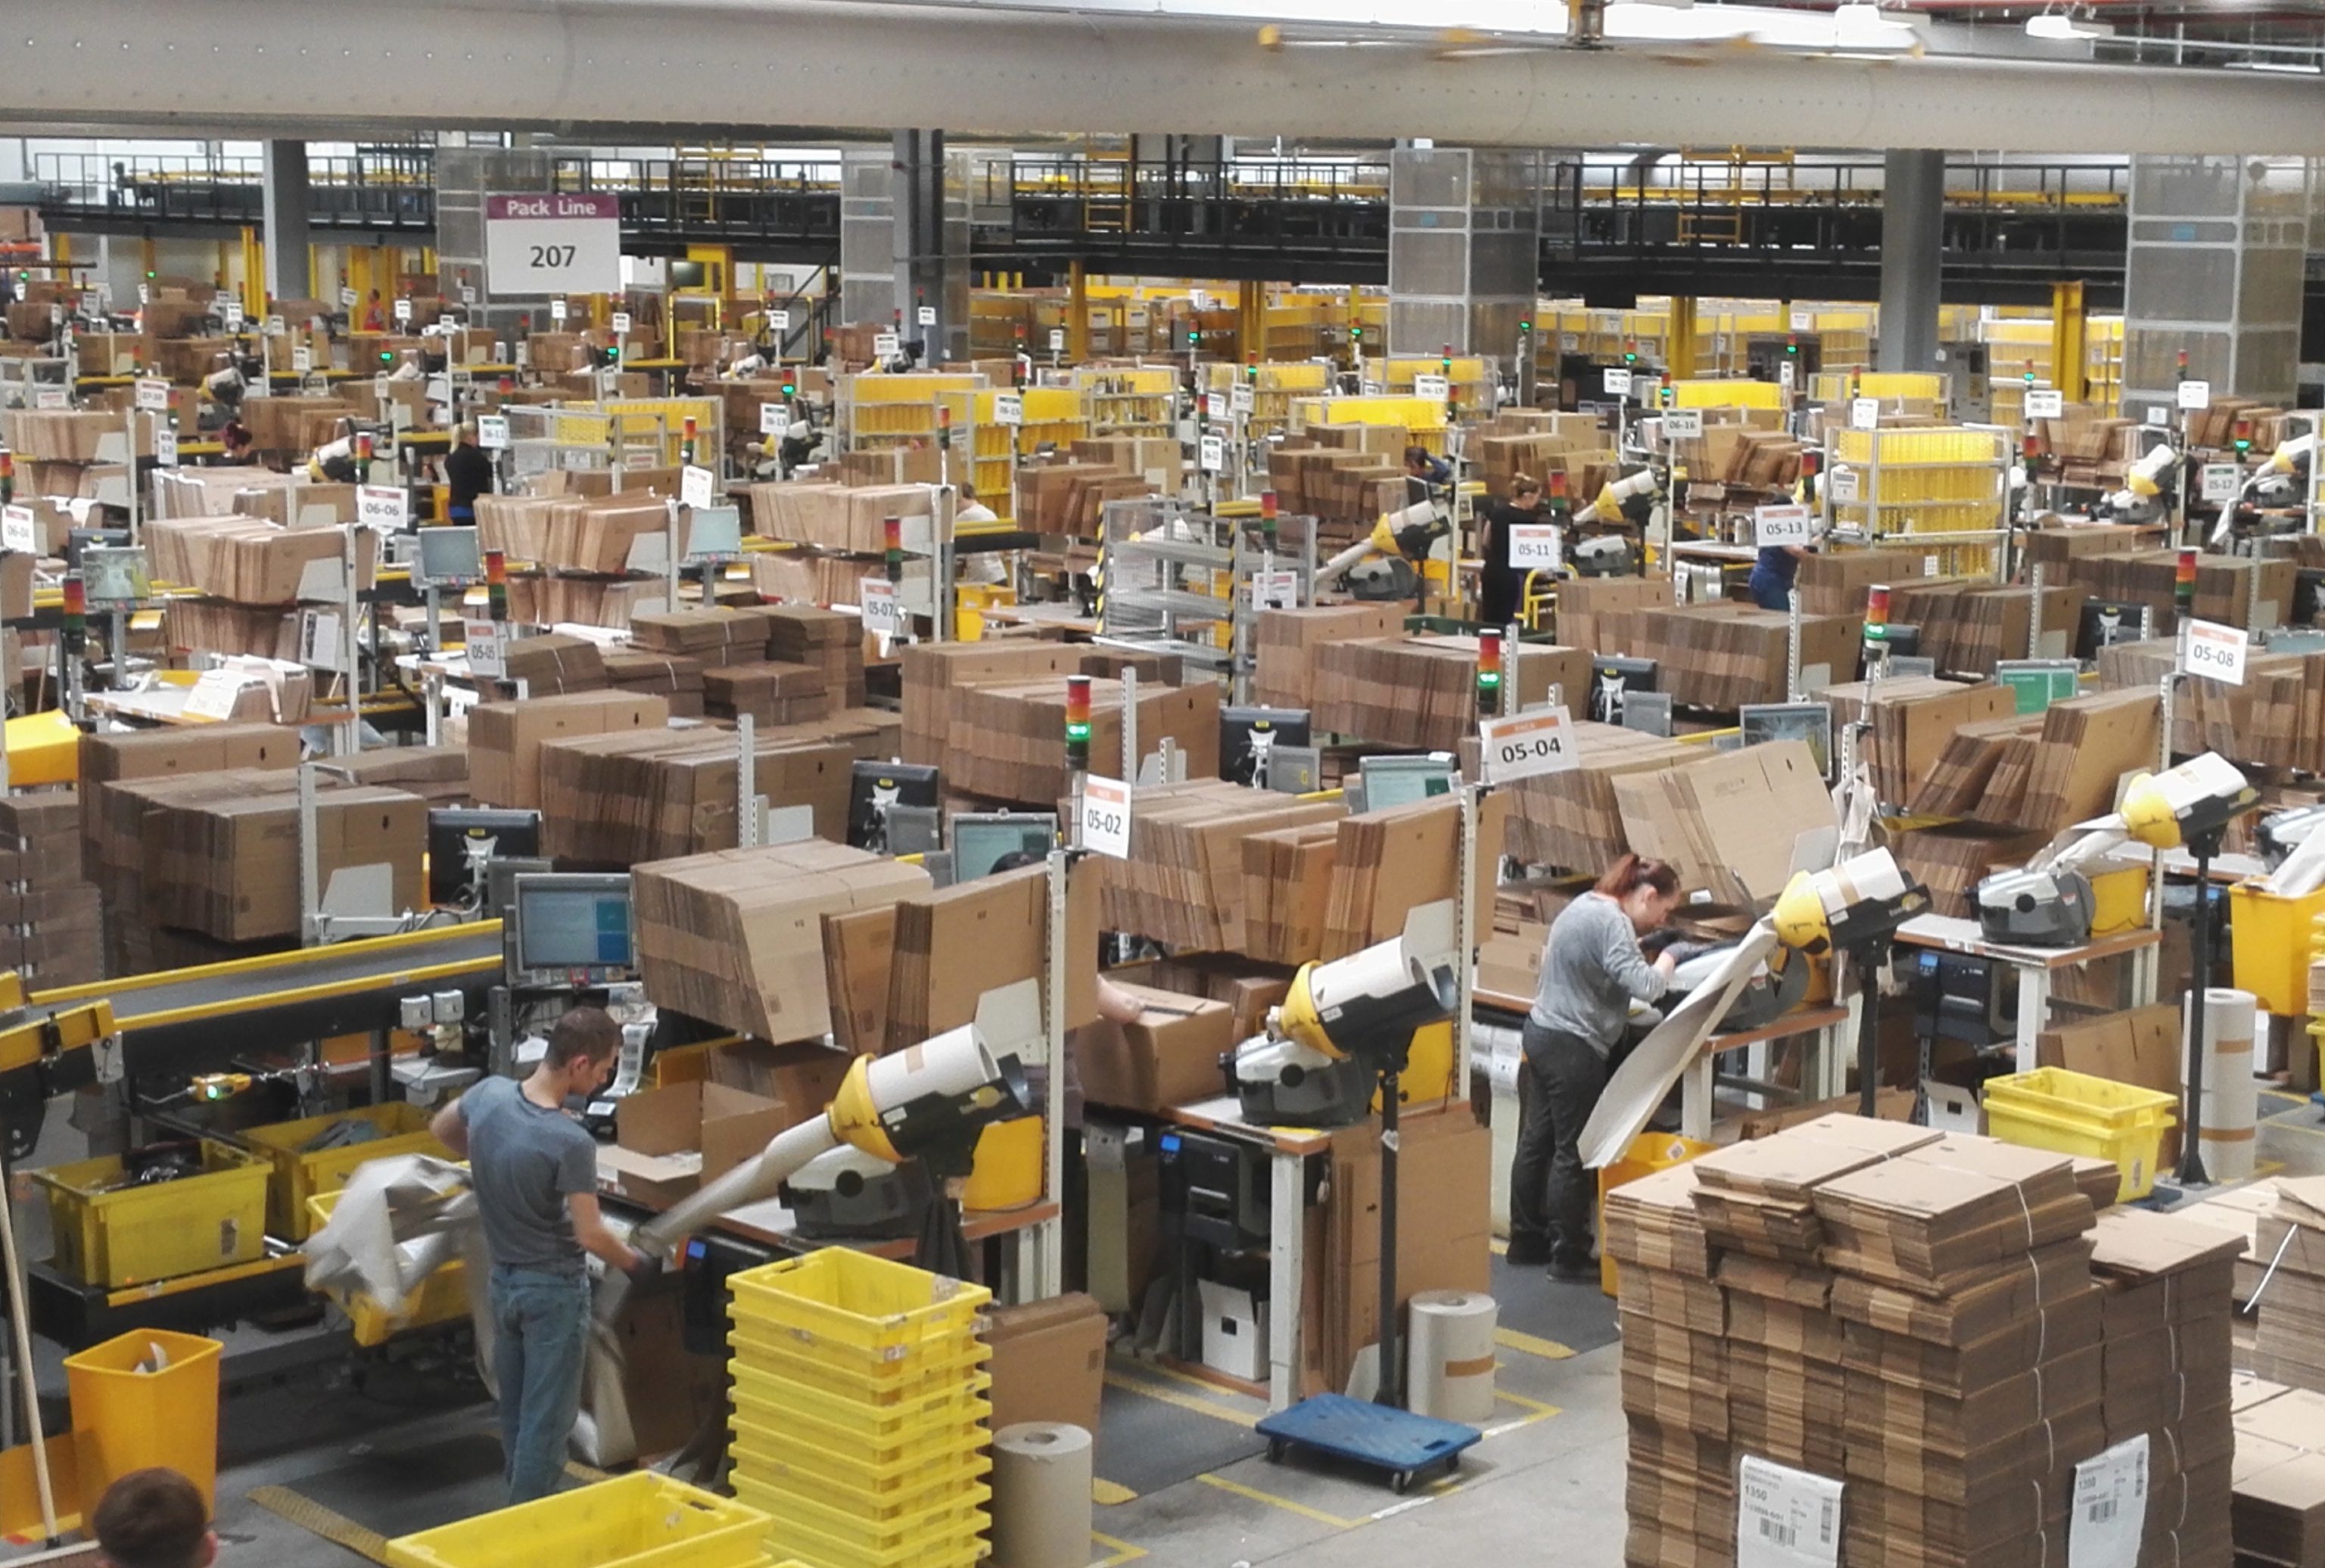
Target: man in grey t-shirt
535	1169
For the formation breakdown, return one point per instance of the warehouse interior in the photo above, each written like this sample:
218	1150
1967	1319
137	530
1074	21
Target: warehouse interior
770	799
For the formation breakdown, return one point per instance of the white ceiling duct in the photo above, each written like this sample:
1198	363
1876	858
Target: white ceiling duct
449	63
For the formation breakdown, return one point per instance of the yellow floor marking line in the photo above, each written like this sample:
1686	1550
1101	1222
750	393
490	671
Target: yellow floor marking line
584	1474
1531	1345
1286	1504
318	1521
1157	1370
1146	1390
1124	1551
1108	1494
1522	1403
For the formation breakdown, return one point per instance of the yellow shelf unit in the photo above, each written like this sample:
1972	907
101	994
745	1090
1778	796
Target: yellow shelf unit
1056	416
1272	391
1131	400
1728	393
878	410
1921	481
1472	375
1423	419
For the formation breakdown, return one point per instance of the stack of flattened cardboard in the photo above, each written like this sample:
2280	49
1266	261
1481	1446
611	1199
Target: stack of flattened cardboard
676	680
2232	590
1967	624
2274	719
47	908
936	675
108	844
1597	613
1008	743
554	663
834	517
2291	1345
1287	883
1287	641
1069	499
2166	1338
438	774
1721	657
1736	823
247	561
1951	860
1833	583
225	863
1421	691
2087	744
953	946
1186	883
772	691
2277	1508
1913	720
588	601
1572	818
1959	785
655	794
516	525
1390	861
504	739
214	626
736	937
824	639
722	636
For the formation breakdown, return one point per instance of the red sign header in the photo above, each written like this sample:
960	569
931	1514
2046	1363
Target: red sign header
554	206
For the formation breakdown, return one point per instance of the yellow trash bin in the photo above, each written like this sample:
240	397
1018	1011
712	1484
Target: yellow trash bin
124	1419
1649	1152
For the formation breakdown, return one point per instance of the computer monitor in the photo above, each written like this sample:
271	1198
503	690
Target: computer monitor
2035	684
877	787
1400	781
1612	678
1248	737
116	575
572	929
1809	721
501	874
981	838
77	540
448	558
463	840
714	534
2105	623
1648	712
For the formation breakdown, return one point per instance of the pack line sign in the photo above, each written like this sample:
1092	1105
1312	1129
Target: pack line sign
774	419
1240	400
925	315
1683	425
19	530
165	448
347	298
560	243
1618	382
2159	415
558	310
1008	408
1432	388
1803	320
488	643
1057	340
886	345
302	360
877	596
1773	526
493	432
274	326
381	506
1276	589
1536	546
2221	481
1521	744
1215	454
1105	816
2195	395
695	486
49	397
153	394
2215	651
403	307
1865	413
621	323
779	320
2045	403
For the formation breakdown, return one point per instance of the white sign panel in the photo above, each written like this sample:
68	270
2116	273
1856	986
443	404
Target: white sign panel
620	322
1105	816
2045	403
1432	388
1536	546
558	310
19	530
878	597
885	346
1278	589
1618	382
2215	651
214	694
302	360
347	298
1239	399
1803	320
493	432
488	645
926	315
1057	340
229	312
274	324
695	486
779	320
1683	425
165	448
2195	395
52	397
1522	744
1785	1517
1778	525
1215	454
1570	342
1865	413
553	243
2221	481
1008	408
774	418
153	394
402	308
1844	485
381	506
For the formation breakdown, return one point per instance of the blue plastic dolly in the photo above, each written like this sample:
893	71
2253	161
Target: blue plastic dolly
1376	1436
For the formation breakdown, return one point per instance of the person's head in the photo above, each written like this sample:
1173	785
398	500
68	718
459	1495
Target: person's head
1525	492
236	437
582	1045
968	494
464	434
1648	890
153	1518
1416	460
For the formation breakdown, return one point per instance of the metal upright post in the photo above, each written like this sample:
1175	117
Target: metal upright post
310	873
748	819
2034	611
1048	1270
1130	757
1792	646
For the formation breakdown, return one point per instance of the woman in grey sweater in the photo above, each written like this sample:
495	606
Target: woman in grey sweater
1592	970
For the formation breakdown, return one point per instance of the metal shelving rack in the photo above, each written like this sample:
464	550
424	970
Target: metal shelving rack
1174	576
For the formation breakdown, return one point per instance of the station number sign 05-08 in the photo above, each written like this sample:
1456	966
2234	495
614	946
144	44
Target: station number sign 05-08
2215	651
1525	744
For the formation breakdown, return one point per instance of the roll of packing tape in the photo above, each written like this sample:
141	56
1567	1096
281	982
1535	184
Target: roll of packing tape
1451	1365
1041	1496
2231	1097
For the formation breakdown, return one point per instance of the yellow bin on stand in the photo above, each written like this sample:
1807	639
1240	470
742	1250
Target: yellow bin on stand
124	1419
1649	1153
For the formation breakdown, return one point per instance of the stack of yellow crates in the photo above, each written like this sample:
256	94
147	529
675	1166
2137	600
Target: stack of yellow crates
860	1411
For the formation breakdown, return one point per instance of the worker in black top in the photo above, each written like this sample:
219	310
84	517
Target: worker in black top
467	474
1501	586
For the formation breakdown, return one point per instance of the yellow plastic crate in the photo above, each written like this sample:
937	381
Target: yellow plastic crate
793	1466
856	1422
959	1549
634	1521
763	1348
442	1297
299	1175
2270	943
772	1439
133	1235
1649	1153
2075	1113
959	1509
852	1301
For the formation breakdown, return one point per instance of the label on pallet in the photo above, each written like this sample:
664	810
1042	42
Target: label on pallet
1536	546
1865	413
1785	1517
2220	481
2195	395
19	530
926	315
2110	1506
1215	454
1521	744
153	395
488	645
695	486
2214	651
1105	816
2045	403
493	432
1008	408
1432	388
1778	525
878	597
885	346
1683	425
1618	382
381	506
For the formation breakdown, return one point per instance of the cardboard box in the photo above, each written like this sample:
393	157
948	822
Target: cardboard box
1731	822
1234	1330
1049	1361
1169	1057
718	1127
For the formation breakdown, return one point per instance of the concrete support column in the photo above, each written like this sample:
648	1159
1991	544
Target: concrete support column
904	239
1913	247
283	207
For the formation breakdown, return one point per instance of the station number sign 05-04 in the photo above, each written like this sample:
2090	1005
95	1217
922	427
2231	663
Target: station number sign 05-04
1525	744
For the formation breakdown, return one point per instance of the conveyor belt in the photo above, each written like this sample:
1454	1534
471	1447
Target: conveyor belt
193	1020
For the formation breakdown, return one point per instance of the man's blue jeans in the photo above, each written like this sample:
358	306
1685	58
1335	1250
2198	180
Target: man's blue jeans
541	1322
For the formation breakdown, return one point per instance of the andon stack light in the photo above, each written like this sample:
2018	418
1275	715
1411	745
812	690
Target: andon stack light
8	477
1811	464
496	585
686	443
1489	671
2243	441
1268	507
75	617
1078	723
1877	613
1560	501
891	537
944	426
2183	584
